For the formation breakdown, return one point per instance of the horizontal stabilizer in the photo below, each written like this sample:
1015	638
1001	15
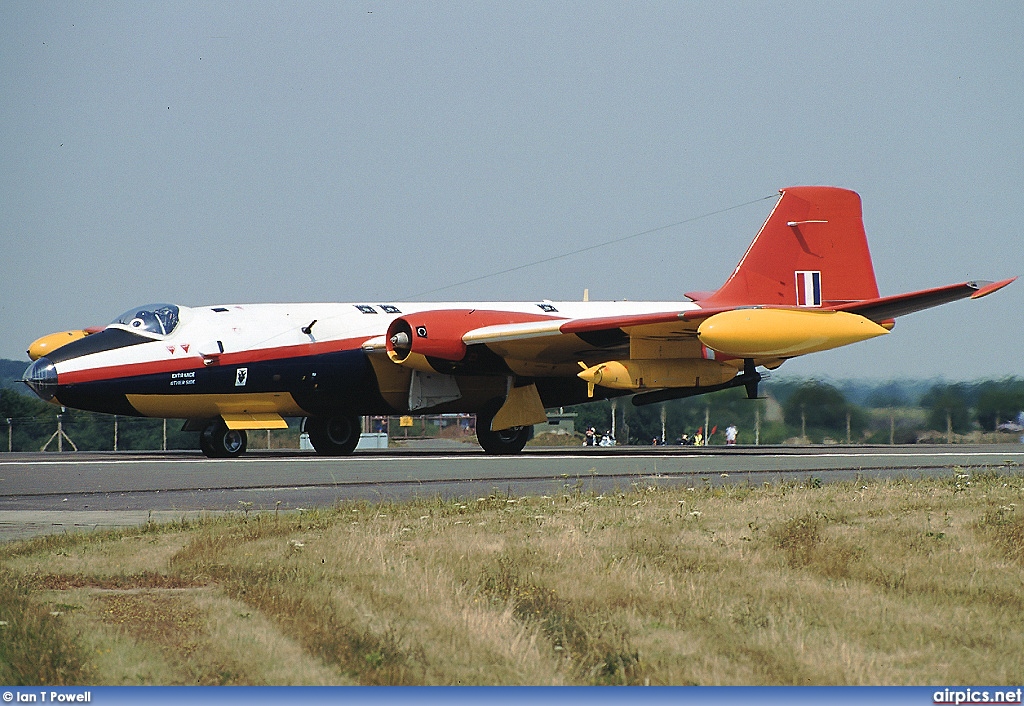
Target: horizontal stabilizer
884	308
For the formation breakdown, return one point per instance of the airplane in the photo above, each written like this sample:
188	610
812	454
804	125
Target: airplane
805	284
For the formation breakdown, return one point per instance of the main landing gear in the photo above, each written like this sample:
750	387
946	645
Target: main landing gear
339	434
501	443
333	436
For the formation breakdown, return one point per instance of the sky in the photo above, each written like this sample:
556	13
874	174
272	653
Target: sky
233	152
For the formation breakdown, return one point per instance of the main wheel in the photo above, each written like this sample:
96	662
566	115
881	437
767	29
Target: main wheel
334	436
504	442
217	441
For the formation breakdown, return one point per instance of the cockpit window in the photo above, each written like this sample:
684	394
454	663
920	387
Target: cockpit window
155	319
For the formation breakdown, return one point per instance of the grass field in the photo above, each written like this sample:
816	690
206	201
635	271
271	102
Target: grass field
904	582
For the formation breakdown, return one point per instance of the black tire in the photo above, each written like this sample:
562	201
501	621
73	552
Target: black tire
217	441
499	443
334	436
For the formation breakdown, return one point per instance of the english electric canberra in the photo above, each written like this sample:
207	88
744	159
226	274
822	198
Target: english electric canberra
805	284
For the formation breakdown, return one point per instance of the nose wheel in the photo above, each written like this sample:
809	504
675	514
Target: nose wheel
217	441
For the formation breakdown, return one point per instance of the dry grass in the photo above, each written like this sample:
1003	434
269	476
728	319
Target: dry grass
903	582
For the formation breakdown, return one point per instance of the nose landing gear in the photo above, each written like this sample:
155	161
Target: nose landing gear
217	441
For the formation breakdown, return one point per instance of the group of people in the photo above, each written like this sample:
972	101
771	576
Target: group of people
695	440
698	439
591	438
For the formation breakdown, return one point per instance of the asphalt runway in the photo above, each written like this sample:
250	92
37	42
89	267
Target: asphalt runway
49	492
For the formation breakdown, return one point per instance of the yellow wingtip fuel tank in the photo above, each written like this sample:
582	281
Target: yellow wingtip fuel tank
783	333
53	341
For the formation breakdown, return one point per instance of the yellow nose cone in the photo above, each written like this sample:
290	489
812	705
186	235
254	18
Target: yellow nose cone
50	343
783	333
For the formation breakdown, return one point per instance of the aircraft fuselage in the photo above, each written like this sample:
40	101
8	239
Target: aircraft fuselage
266	358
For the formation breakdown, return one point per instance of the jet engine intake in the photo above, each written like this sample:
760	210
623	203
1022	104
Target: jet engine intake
412	340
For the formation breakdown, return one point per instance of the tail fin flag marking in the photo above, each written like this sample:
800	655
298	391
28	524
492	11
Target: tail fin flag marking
808	288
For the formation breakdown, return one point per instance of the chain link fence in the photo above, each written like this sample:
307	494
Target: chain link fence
74	430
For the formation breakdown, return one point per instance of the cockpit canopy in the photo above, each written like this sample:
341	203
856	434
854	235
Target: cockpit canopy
150	319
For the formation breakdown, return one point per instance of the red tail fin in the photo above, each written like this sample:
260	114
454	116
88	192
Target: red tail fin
812	251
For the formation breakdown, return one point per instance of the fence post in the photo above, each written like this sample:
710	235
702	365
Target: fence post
9	436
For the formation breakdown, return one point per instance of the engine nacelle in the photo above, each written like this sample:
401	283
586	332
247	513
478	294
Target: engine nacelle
412	339
417	339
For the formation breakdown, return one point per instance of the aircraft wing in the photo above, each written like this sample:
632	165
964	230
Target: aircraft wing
678	325
592	339
766	333
512	332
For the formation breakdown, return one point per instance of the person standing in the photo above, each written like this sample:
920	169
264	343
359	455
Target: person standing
730	435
